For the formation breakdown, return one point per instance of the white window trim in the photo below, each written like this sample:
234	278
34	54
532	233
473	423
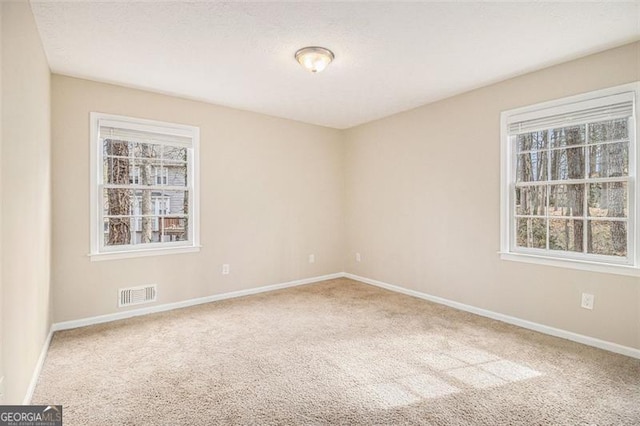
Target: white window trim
99	253
631	268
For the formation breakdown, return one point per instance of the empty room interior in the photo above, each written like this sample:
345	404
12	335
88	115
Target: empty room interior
308	213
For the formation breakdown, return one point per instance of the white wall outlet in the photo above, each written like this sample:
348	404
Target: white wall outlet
225	269
312	258
358	257
587	300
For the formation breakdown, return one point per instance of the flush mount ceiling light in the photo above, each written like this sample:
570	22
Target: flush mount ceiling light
314	58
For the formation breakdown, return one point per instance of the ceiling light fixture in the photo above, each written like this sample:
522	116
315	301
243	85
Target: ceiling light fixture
314	58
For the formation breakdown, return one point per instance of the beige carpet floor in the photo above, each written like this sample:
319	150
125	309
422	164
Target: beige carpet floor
336	352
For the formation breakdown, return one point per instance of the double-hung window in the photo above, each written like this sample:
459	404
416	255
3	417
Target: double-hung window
144	187
569	182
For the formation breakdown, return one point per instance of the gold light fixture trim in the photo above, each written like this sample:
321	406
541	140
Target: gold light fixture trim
314	58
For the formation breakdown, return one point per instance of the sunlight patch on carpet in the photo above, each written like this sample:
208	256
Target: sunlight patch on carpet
440	361
388	395
510	371
471	355
428	386
476	377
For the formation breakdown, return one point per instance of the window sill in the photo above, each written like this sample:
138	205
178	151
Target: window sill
572	264
96	257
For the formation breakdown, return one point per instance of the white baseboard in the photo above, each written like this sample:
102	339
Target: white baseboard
37	370
586	340
66	325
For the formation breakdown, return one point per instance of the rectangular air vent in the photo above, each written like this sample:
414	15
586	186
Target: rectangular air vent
136	295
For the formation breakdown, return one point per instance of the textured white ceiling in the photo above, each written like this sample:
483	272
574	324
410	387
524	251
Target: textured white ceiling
389	56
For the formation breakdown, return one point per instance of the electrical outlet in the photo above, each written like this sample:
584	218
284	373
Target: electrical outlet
587	300
225	269
358	257
1	389
312	258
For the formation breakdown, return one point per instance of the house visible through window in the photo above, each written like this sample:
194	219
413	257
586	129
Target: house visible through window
160	206
568	175
144	189
160	176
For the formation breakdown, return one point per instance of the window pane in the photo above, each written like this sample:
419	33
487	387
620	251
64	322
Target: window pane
145	202
178	202
147	172
147	230
146	150
175	229
160	175
174	153
531	141
176	174
607	237
161	205
609	160
610	130
532	167
115	147
531	200
134	173
567	136
567	164
117	170
566	234
608	199
566	200
531	232
118	202
117	231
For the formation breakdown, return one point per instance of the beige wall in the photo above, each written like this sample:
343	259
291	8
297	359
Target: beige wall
271	194
423	199
26	187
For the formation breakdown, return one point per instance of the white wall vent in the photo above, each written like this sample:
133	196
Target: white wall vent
137	295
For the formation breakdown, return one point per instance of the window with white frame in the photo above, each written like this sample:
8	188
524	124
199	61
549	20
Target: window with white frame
569	179
144	195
